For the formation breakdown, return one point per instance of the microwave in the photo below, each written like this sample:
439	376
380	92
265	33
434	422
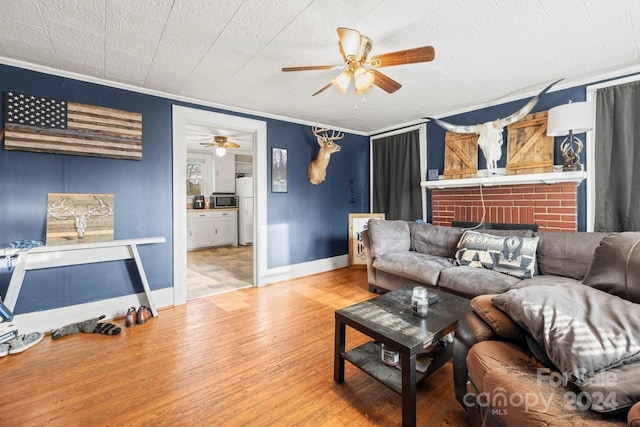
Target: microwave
223	200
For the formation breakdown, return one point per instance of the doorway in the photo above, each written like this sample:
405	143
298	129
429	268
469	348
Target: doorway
182	117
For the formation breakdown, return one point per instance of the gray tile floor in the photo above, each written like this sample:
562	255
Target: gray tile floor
219	269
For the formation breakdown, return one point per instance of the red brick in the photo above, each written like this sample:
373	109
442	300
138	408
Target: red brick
566	210
548	217
565	196
547	203
563	225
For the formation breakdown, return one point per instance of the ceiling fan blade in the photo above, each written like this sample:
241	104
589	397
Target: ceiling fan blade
309	68
385	83
323	89
231	145
403	57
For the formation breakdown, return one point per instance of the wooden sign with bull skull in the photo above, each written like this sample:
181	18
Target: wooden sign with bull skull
318	167
490	133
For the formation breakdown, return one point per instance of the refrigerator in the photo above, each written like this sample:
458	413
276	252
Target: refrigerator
244	191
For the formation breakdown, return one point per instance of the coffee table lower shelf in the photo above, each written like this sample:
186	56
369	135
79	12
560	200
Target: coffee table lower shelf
367	358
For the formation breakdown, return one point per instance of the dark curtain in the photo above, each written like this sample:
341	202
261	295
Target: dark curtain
617	158
396	176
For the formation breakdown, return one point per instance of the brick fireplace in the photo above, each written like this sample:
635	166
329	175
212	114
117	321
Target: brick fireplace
553	207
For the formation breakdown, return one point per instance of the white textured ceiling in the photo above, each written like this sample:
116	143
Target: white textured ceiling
230	52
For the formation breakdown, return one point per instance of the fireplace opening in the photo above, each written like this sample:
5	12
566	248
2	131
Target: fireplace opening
494	225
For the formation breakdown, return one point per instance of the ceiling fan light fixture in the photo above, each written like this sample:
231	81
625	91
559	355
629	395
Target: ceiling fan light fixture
220	151
363	80
342	81
349	43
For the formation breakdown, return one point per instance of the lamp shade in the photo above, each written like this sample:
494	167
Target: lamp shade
577	117
220	151
342	81
363	80
349	43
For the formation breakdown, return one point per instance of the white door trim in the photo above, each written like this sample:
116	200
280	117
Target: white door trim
182	116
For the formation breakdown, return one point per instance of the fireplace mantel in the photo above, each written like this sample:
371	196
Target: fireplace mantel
487	181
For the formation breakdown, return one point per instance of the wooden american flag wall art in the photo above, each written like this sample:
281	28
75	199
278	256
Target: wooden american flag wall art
43	125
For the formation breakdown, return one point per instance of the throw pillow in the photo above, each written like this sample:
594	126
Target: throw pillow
512	255
499	322
615	267
582	330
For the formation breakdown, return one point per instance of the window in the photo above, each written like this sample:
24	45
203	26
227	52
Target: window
196	175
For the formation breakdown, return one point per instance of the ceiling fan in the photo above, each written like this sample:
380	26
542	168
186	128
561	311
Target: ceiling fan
221	144
354	48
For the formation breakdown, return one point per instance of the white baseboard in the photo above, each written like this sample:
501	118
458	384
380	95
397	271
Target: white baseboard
293	271
45	321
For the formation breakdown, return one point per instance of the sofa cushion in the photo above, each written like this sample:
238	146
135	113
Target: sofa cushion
470	281
388	236
434	239
499	322
512	255
582	330
616	266
413	265
614	390
546	280
521	391
567	253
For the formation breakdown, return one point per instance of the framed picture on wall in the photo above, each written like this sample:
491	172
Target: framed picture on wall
357	224
278	170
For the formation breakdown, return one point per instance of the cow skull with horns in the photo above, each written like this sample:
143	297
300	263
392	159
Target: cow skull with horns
490	133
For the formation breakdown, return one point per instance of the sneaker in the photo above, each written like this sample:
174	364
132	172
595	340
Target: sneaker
24	342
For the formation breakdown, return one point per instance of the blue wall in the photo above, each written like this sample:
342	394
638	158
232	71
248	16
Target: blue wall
310	222
305	224
436	134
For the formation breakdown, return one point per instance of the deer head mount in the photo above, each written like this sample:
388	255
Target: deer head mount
318	167
59	210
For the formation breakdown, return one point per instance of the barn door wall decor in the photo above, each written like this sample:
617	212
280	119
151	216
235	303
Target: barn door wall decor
529	149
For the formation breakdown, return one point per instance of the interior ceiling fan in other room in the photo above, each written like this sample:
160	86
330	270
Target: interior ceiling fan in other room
354	48
221	144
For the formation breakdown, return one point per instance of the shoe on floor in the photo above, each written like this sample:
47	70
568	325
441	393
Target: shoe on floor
132	317
4	349
24	342
143	315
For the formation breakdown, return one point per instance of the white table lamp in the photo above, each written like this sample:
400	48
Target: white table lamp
569	119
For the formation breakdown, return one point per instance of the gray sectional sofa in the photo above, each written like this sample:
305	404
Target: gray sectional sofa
575	319
403	253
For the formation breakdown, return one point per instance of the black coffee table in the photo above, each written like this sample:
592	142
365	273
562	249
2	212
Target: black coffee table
388	319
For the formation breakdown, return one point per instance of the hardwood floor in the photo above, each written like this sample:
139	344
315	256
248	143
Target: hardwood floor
256	357
220	269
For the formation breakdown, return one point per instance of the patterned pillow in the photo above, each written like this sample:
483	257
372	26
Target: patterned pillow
512	255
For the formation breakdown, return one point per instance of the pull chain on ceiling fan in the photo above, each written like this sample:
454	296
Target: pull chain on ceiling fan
354	48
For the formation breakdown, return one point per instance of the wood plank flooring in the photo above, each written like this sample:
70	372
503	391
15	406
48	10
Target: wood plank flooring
254	357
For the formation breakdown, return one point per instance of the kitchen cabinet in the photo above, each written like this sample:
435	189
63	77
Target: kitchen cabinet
206	228
225	174
244	164
226	227
200	229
